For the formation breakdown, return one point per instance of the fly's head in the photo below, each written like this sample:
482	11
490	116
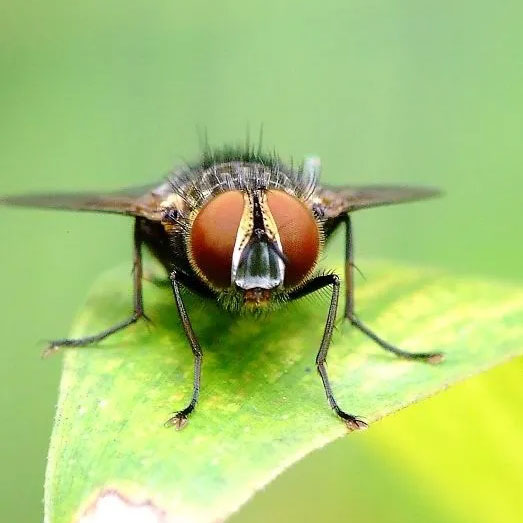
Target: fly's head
257	237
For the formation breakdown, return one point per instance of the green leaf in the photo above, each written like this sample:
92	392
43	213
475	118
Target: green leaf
262	405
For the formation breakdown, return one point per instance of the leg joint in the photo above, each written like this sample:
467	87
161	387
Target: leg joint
334	280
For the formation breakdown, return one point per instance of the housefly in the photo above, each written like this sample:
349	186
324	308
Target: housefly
244	229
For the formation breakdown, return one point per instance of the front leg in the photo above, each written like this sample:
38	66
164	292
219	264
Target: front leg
352	422
138	312
179	419
430	357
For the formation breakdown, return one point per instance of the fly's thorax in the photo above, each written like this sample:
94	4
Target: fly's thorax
258	242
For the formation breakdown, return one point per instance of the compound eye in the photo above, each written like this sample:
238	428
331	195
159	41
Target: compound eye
299	235
213	235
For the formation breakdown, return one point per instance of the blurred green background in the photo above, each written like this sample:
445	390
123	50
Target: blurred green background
100	95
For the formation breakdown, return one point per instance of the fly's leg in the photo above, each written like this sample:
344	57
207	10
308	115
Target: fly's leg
179	419
430	357
352	422
138	313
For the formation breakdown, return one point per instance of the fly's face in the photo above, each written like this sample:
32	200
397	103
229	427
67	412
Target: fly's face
259	243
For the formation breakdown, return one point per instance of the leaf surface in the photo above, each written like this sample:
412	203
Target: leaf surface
262	405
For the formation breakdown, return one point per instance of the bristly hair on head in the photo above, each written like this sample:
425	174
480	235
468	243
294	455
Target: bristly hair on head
241	168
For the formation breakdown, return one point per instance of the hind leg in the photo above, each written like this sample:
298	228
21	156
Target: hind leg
430	357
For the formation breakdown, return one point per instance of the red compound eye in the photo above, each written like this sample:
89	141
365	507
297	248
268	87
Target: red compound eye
213	235
299	235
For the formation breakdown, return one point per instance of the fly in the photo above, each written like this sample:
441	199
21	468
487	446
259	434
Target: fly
241	228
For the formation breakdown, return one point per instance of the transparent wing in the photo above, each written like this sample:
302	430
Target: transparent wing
339	200
138	201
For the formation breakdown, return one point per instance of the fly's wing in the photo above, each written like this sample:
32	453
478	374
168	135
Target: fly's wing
139	201
341	200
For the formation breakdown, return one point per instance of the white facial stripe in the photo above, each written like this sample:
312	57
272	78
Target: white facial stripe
246	230
272	229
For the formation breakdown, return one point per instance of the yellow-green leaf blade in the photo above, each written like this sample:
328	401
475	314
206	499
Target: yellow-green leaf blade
262	405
